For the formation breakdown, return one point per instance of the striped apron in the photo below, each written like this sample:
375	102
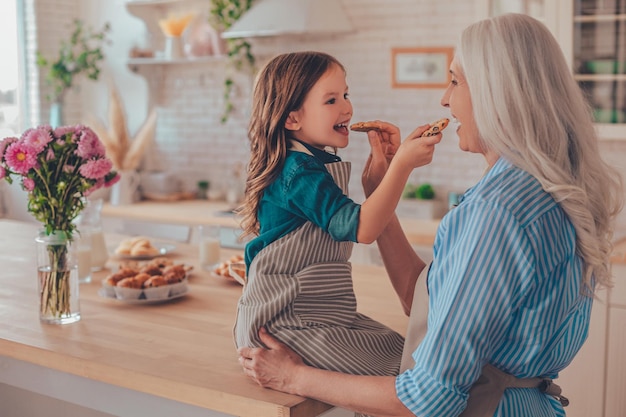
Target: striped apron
300	289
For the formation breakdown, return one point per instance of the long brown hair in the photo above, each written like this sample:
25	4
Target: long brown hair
280	88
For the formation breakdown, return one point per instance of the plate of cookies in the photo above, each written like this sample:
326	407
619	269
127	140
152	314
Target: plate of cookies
141	248
154	281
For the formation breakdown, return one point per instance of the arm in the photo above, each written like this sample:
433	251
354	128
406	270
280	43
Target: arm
401	262
280	368
379	207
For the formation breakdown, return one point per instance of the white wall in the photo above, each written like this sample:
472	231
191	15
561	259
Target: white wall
192	142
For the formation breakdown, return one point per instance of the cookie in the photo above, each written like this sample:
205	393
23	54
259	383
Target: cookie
436	127
364	126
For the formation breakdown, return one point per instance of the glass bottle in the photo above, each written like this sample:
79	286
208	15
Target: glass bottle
90	221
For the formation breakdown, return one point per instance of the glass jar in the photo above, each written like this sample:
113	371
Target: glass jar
57	277
90	222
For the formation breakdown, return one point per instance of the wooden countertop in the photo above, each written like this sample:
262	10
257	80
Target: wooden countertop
196	212
182	350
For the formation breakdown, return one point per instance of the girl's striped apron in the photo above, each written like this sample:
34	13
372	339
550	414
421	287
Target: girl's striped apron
300	289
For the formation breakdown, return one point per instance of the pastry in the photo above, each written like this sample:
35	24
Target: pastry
174	273
130	283
151	269
155	281
142	278
113	279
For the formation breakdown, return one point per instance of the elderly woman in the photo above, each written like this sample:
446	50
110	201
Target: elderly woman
515	265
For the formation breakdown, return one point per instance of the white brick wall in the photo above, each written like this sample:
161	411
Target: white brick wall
190	139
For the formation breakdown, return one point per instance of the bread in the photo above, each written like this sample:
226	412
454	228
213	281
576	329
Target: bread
136	246
436	127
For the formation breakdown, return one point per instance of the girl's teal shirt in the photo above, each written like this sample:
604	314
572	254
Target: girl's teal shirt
304	191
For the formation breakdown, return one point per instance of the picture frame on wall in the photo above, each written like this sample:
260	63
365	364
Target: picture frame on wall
421	67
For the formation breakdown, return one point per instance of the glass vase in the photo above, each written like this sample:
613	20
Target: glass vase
57	277
56	114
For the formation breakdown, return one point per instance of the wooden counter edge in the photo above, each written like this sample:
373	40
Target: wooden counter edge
209	399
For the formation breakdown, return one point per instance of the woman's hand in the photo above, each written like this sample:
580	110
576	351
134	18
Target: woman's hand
384	144
275	367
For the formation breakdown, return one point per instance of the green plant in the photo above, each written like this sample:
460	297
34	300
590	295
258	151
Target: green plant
421	192
82	53
224	13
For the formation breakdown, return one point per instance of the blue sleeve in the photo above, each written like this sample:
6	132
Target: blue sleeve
473	284
310	192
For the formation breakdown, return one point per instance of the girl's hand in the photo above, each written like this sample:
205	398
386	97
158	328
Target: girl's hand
417	151
274	367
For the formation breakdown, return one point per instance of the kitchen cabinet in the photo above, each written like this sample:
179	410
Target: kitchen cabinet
592	35
595	381
616	340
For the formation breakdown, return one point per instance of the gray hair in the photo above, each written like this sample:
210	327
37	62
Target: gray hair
531	111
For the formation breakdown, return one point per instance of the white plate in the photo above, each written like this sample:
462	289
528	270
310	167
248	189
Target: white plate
102	293
164	249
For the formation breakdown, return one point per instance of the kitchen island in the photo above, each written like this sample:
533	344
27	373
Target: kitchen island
198	212
175	358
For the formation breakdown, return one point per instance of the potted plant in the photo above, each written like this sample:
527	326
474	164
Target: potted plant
80	54
223	14
418	201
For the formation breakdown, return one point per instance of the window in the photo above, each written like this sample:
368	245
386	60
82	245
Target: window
9	70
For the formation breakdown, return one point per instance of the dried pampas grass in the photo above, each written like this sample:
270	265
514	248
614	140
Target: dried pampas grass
125	153
117	121
144	136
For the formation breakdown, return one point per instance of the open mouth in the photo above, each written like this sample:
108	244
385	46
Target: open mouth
341	128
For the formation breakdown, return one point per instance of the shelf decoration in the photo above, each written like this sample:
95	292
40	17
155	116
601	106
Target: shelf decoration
80	54
223	14
173	27
124	151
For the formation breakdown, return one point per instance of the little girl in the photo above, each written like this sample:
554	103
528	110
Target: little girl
299	282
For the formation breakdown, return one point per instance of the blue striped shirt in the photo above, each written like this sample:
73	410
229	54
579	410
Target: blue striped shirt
504	288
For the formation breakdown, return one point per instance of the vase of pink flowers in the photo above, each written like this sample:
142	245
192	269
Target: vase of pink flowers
58	168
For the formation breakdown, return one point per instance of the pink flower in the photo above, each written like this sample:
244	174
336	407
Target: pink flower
96	168
37	138
89	146
60	131
4	144
28	184
21	157
99	184
113	180
50	155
